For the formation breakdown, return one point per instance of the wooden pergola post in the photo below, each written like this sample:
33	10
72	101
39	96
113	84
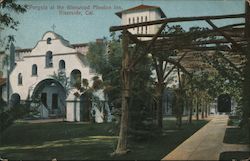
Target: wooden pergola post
246	84
167	44
123	133
191	104
159	89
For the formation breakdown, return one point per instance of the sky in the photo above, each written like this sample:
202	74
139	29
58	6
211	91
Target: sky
82	21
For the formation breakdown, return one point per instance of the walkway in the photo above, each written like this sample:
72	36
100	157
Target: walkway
207	143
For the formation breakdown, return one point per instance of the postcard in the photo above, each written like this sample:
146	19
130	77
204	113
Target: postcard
124	79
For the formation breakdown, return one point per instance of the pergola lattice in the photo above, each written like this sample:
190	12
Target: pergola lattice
232	42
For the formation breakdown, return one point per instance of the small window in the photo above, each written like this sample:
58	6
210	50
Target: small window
49	40
20	79
137	27
142	26
49	59
61	64
133	22
129	21
34	70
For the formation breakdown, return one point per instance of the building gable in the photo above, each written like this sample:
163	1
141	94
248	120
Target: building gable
51	42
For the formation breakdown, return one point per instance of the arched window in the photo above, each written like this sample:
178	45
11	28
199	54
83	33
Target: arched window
49	40
75	78
20	79
34	69
61	64
49	60
129	21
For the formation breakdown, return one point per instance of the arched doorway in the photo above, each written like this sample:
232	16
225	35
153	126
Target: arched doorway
85	105
15	100
224	103
51	94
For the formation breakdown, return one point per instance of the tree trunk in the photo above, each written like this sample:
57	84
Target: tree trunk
181	101
179	121
1	93
202	109
159	90
206	110
190	111
159	106
197	109
209	109
246	84
123	133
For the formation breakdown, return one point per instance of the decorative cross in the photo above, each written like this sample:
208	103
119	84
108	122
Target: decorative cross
53	27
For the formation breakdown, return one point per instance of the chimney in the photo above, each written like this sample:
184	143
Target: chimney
99	41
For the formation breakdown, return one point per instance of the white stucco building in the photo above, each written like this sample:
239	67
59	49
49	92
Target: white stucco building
144	13
35	70
141	13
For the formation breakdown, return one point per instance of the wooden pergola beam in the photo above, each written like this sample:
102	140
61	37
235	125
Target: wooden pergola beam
133	37
178	65
193	48
170	71
167	43
178	19
225	35
149	46
230	62
228	29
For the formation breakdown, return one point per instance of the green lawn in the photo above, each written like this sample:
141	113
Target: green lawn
85	141
235	135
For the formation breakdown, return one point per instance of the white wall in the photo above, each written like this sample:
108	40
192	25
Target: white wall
151	16
37	56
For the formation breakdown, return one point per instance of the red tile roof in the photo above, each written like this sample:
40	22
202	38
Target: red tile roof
141	7
79	45
2	81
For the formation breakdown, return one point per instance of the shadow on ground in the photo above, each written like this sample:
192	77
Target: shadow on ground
235	136
238	155
72	141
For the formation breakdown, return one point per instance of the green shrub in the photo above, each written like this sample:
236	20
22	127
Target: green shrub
9	116
230	122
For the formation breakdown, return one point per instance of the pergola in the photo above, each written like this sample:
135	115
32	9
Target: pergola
230	43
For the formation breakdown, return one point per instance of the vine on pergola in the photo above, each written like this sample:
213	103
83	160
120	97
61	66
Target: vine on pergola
213	46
